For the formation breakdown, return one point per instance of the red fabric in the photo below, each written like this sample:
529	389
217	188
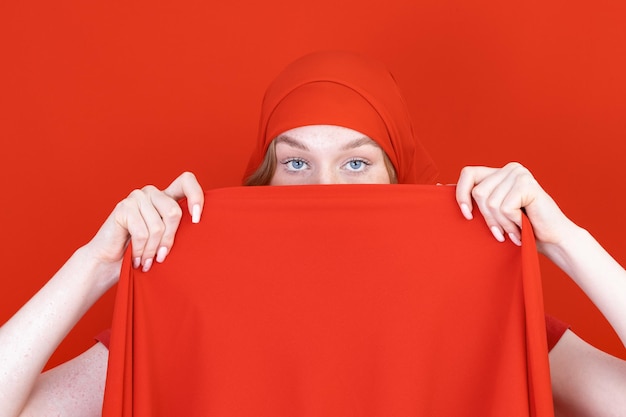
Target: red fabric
555	329
104	337
344	89
355	300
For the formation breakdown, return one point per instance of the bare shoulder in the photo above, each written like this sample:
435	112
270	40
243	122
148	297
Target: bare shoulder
75	388
585	380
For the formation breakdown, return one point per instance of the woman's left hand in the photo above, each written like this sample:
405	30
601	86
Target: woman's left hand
502	193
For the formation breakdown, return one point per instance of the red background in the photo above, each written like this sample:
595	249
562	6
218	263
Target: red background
98	98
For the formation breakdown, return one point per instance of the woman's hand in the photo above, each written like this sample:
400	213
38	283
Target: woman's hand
502	193
148	218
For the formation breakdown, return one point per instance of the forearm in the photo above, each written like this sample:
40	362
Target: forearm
30	337
600	276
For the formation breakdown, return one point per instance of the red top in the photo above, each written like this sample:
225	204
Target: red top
555	329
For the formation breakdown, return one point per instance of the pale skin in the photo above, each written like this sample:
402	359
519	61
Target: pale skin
585	381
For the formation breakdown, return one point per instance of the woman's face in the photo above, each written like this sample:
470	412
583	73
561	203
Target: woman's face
326	154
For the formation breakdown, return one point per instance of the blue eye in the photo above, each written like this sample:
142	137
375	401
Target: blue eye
296	164
355	164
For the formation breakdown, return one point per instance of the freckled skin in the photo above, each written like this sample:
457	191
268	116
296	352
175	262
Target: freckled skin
325	154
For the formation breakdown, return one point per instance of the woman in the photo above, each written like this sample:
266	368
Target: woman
328	118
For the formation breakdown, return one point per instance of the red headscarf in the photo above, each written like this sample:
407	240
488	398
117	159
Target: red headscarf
344	89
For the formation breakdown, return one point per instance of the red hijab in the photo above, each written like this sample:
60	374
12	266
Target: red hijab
344	89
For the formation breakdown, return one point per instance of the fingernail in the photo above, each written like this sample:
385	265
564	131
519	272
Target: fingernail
497	233
515	239
147	264
467	213
195	213
161	254
136	262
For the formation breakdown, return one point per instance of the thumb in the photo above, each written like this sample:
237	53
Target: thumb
187	186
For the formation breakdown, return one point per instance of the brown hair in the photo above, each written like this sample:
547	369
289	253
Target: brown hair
264	173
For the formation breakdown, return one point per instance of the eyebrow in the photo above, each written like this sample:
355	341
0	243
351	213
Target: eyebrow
291	142
351	145
359	142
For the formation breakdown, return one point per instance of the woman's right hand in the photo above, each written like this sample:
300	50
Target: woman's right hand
148	218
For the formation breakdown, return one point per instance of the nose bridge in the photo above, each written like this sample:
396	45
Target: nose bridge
328	175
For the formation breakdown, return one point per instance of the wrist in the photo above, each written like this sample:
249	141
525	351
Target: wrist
99	270
570	238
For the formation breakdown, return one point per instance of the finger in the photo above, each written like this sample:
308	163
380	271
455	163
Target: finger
154	224
488	202
138	231
187	186
500	198
502	208
513	211
170	214
129	218
469	177
523	193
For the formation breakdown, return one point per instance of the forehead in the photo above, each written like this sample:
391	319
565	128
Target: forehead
318	134
322	130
